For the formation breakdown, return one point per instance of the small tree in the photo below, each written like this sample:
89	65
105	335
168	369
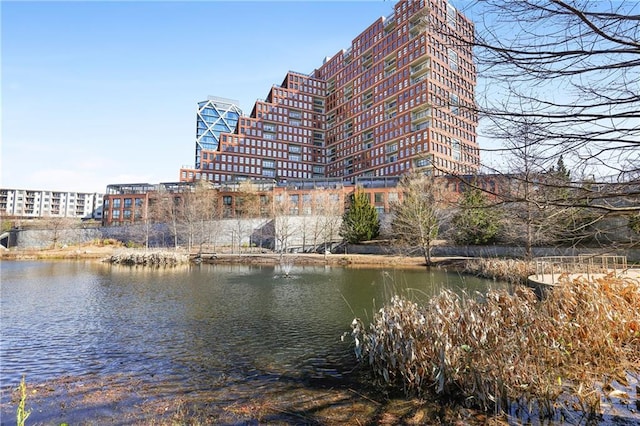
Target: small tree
165	208
360	221
58	227
475	223
329	207
417	217
284	226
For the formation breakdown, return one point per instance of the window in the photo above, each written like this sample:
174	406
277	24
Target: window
227	200
423	162
454	104
451	16
455	149
453	59
127	203
116	203
268	164
293	200
379	197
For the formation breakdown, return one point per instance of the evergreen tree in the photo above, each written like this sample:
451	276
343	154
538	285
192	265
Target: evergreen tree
560	171
475	223
360	221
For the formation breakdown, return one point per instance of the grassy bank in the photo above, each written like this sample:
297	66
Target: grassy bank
510	352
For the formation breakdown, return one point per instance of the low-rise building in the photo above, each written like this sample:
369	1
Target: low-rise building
136	203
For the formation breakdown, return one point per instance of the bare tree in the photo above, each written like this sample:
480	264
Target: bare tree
531	212
571	68
58	227
418	216
284	225
166	208
328	208
247	206
198	211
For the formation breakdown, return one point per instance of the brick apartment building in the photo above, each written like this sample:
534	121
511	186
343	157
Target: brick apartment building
133	203
130	203
398	99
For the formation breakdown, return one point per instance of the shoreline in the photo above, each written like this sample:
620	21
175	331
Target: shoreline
100	253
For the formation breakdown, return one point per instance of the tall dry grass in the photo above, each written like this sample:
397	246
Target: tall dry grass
510	270
505	350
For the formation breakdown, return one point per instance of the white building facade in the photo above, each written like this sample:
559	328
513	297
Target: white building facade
26	203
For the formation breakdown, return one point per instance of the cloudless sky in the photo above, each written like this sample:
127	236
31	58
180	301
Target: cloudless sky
95	93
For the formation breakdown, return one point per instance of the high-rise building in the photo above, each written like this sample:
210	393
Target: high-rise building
400	98
215	116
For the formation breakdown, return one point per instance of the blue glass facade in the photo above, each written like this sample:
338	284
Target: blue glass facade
215	116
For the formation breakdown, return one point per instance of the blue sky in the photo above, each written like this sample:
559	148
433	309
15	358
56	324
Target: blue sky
105	92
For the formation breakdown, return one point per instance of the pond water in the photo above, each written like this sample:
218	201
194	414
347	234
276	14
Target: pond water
193	328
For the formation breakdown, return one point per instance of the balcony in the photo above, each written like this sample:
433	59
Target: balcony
421	115
348	93
421	67
367	58
419	22
391	108
421	126
346	56
419	79
391	158
423	162
390	23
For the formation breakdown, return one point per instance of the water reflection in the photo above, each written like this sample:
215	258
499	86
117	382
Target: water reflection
195	327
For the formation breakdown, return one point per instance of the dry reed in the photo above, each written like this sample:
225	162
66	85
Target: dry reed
510	270
505	350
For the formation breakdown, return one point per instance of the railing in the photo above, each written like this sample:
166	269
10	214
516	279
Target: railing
555	266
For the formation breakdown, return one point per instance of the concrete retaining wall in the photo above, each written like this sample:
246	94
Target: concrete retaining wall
302	232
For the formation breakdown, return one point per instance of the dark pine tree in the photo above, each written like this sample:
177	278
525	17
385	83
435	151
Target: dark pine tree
360	221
